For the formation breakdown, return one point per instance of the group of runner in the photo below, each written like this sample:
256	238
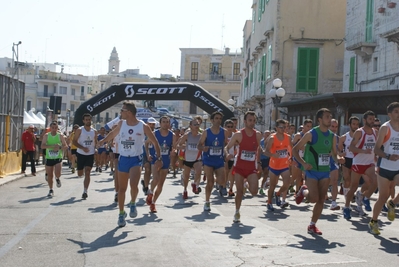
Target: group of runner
308	161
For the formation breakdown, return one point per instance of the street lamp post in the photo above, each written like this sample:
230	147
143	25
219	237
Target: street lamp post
68	114
205	117
276	94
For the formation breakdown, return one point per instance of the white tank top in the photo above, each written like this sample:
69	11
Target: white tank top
390	146
347	143
86	139
115	148
131	139
367	141
232	149
191	152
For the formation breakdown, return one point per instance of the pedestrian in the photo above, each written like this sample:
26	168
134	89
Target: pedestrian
28	149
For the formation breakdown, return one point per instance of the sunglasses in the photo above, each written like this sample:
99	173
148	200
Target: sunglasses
229	126
281	127
196	124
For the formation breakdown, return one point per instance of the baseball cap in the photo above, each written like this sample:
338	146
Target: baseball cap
151	120
31	127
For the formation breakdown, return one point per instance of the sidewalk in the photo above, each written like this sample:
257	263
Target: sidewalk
15	176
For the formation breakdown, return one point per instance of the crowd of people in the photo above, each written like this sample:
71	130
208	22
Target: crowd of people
280	164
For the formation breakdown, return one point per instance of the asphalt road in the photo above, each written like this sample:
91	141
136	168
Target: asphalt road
67	231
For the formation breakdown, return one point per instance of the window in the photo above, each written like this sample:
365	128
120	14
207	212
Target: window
215	71
375	64
253	20
269	62
73	91
236	71
28	105
44	107
194	71
369	20
89	89
263	75
63	106
116	115
72	107
193	108
45	89
63	90
352	74
82	90
307	70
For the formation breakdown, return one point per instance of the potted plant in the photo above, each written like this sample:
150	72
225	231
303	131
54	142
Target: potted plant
381	9
391	4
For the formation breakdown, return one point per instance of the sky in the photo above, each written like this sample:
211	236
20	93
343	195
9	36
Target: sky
147	34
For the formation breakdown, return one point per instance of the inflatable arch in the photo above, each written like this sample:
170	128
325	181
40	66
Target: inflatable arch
152	91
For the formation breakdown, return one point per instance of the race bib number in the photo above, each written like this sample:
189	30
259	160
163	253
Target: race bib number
191	146
215	151
127	145
164	151
53	153
282	153
248	155
324	159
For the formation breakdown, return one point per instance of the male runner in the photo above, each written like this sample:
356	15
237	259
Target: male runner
247	162
362	146
85	140
278	148
265	160
316	163
344	143
192	157
167	141
211	143
146	163
53	142
387	149
334	168
131	132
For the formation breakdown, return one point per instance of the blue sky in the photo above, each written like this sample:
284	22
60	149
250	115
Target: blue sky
146	34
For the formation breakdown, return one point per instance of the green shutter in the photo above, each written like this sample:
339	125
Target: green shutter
263	6
259	9
269	62
263	75
352	74
307	70
369	20
253	20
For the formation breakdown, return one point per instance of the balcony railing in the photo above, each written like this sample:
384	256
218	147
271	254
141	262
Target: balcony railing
44	94
217	78
80	97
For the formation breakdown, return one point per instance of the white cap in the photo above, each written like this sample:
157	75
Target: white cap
151	120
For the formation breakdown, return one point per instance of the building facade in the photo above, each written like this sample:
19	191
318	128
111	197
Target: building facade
299	42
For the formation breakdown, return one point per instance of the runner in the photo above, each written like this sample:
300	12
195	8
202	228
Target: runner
85	140
192	157
334	168
387	149
247	162
130	144
228	165
278	148
211	143
265	160
53	142
362	146
344	143
73	148
101	152
297	173
320	144
151	122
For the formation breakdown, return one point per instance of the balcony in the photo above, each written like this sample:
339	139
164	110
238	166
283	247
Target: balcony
80	98
44	94
392	35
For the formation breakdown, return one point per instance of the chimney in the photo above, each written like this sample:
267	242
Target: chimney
227	51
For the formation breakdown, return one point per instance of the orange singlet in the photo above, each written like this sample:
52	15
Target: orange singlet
283	149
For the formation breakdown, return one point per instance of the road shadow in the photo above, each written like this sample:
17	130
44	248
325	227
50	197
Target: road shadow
147	218
390	245
33	186
109	207
236	230
330	217
105	241
69	201
182	205
36	199
105	180
202	217
361	224
106	189
317	244
303	208
276	215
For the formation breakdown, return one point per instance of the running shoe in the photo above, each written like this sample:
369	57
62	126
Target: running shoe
84	195
291	189
207	206
237	217
334	206
385	208
116	197
373	226
223	191
283	205
366	203
106	167
121	219
277	199
359	198
347	213
261	192
111	173
359	209
204	178
142	185
391	210
300	196
270	207
73	170
199	190
312	229
100	169
185	195
231	193
194	188
133	211
152	208
33	174
58	181
96	169
148	200
50	193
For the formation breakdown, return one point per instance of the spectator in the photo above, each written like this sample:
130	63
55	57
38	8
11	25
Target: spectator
28	149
